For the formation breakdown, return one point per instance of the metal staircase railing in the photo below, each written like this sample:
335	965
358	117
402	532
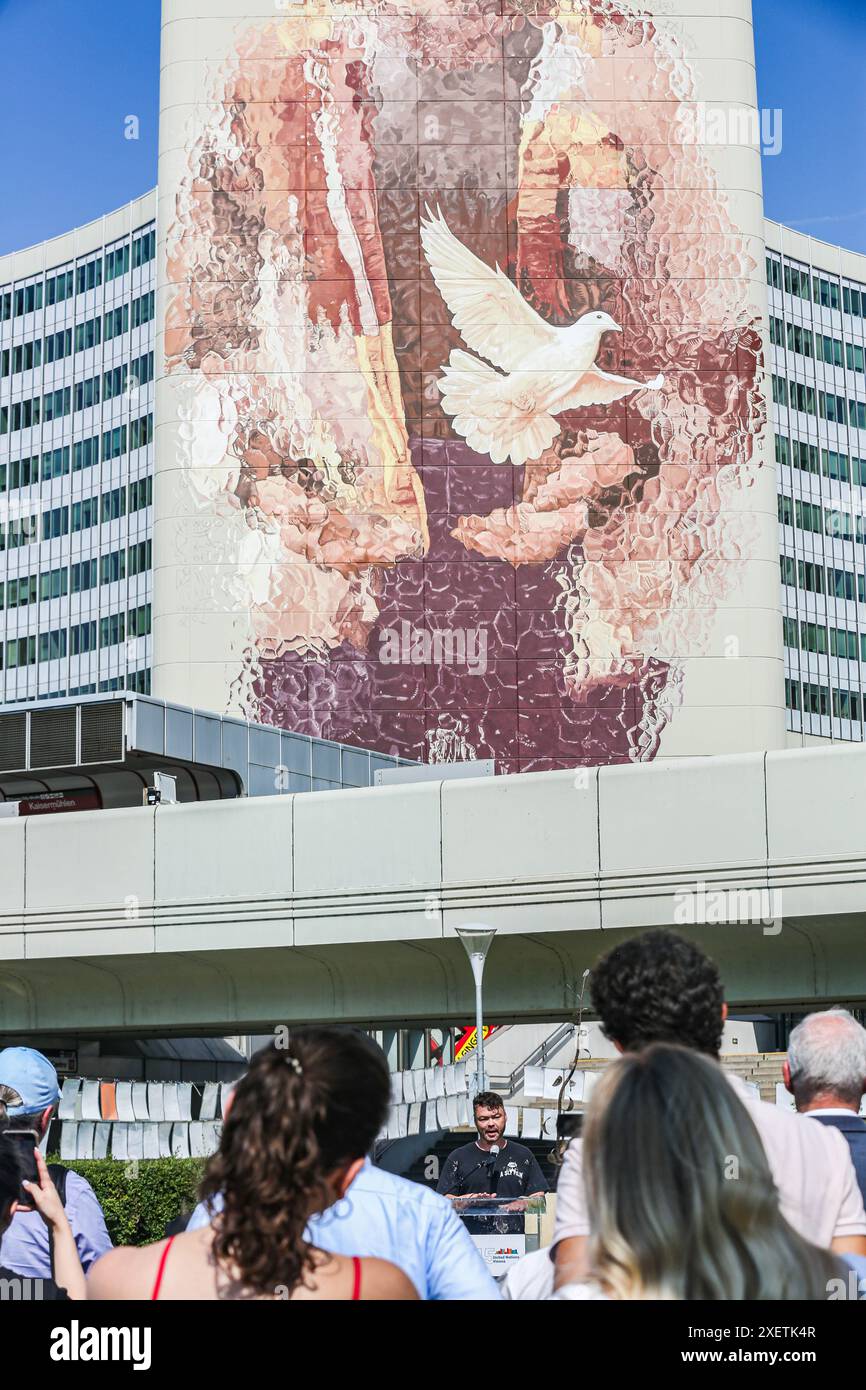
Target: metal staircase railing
511	1084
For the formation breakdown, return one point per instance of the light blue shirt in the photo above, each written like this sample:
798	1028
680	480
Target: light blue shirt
24	1246
389	1218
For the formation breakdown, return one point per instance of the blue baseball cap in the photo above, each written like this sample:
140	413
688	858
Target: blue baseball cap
26	1071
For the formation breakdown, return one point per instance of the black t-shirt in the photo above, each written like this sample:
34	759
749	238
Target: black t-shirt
33	1290
513	1173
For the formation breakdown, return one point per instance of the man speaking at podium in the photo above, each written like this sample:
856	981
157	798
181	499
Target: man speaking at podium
491	1166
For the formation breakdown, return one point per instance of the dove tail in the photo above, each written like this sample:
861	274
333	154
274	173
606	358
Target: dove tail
488	414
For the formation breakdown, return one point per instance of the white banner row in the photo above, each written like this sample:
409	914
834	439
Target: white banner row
429	1083
129	1101
129	1142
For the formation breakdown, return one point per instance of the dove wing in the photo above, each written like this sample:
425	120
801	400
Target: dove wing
489	311
595	387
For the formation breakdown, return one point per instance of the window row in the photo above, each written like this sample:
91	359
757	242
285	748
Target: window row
82	638
823	403
807	698
798	282
810	459
55	404
139	681
818	345
814	579
90	511
85	453
27	298
831	521
824	641
55	346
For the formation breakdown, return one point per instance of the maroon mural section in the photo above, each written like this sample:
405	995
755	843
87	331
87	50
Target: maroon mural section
519	709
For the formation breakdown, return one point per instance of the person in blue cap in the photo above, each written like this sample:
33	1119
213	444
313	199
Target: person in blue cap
29	1093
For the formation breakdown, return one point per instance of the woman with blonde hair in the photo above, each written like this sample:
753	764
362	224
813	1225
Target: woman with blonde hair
681	1199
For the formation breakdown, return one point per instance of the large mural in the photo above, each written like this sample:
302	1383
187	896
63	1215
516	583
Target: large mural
460	323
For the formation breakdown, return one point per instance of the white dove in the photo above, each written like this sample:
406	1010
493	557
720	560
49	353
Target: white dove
549	369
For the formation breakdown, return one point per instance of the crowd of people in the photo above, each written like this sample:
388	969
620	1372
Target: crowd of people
682	1184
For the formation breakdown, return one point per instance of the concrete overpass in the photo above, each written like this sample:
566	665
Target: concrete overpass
232	916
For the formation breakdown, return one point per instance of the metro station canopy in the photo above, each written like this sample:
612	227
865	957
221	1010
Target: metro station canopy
102	751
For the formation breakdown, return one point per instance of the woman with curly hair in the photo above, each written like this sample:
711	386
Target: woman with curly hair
301	1121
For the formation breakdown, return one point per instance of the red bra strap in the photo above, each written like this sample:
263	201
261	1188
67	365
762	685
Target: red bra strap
356	1282
160	1271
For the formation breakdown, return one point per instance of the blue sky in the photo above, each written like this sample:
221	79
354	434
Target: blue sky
811	56
71	71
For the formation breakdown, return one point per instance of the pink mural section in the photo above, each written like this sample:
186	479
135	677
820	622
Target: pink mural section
476	313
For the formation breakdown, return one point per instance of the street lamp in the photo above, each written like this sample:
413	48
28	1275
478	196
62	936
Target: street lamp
476	941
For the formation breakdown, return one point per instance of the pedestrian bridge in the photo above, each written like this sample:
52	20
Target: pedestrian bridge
233	916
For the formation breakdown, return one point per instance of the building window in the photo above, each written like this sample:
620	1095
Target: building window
142	309
114	442
144	249
114	504
83	638
88	276
87	393
828	350
111	630
139	558
116	321
54	584
59	287
140	494
55	463
21	592
112	567
85	453
805	456
825	292
138	621
797	281
846	705
799	340
28	298
808	516
55	523
88	335
141	432
52	645
20	651
83	576
117	262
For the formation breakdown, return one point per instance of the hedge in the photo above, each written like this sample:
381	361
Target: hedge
140	1197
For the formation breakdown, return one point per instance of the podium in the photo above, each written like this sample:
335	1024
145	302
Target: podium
503	1229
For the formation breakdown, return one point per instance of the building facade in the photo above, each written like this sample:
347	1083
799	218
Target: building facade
364	532
817	306
76	459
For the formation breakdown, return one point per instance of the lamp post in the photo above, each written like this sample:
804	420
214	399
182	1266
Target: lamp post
476	942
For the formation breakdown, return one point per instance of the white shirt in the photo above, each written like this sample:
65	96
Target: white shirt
810	1162
531	1278
832	1110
